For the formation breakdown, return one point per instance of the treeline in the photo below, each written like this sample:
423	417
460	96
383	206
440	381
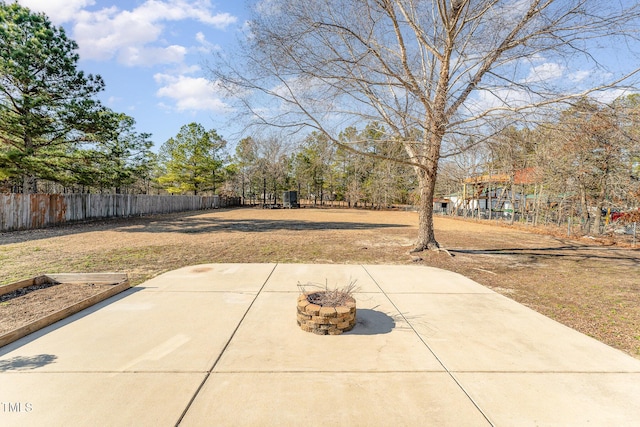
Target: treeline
582	164
262	168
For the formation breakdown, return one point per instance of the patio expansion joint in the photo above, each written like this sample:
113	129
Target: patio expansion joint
446	369
224	349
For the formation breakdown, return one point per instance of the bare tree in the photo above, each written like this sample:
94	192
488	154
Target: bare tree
312	165
272	164
429	70
591	153
626	190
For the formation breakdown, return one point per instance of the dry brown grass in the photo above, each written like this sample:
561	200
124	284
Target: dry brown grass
591	288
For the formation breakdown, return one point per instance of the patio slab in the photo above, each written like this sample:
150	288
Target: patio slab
269	340
556	399
331	399
95	399
213	278
144	331
287	277
218	344
489	332
424	280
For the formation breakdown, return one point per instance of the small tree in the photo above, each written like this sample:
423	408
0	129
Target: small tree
245	158
312	164
272	167
191	161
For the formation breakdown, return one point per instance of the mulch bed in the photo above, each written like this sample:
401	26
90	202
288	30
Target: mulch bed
26	305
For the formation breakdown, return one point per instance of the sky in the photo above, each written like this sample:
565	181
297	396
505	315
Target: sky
152	56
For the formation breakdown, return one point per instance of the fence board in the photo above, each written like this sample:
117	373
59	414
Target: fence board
29	211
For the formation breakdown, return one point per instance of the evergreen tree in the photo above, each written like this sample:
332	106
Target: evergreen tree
191	161
47	106
123	156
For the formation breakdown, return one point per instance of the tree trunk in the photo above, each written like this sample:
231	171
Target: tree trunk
243	203
602	196
29	182
426	235
536	204
586	223
29	185
597	221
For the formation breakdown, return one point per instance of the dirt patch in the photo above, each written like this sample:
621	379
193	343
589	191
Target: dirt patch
583	284
27	305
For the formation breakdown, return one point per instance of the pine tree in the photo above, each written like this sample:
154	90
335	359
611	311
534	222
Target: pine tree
47	105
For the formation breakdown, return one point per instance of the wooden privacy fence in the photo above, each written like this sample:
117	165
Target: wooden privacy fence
28	211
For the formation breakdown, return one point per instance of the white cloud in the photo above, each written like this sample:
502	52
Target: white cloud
511	10
148	56
268	7
205	45
545	72
103	34
304	86
609	95
178	10
190	93
59	11
485	100
134	37
579	76
182	69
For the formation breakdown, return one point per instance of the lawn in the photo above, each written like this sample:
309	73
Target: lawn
592	288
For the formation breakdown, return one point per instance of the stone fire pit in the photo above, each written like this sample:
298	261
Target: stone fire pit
323	319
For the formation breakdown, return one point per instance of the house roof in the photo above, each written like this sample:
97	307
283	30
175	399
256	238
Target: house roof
522	176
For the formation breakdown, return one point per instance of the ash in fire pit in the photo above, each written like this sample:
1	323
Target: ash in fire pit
329	298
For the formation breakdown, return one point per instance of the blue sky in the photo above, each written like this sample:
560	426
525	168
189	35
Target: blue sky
152	55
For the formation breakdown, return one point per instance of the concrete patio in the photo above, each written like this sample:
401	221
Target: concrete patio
218	345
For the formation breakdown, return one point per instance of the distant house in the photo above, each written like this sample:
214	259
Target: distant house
523	176
497	192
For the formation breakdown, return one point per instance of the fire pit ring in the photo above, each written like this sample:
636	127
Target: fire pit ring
325	320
